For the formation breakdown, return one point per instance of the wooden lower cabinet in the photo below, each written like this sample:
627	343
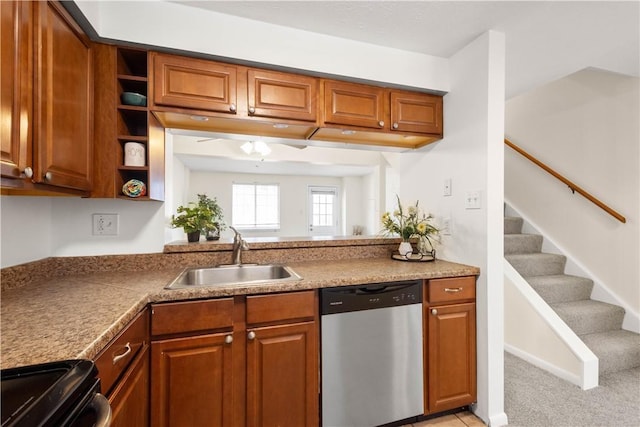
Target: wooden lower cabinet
192	382
260	368
282	376
450	344
130	399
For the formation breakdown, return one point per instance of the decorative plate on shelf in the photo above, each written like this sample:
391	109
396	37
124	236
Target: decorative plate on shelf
134	188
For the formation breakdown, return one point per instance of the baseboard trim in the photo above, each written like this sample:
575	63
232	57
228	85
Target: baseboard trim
498	420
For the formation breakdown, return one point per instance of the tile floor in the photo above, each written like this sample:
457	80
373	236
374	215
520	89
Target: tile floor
459	419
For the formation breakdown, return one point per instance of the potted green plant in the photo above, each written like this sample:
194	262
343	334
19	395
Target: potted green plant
215	224
195	218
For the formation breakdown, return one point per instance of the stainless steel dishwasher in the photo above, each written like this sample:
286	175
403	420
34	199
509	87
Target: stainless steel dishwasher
371	354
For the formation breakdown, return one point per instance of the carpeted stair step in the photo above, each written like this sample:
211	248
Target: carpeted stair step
589	316
561	287
522	243
616	350
540	264
512	225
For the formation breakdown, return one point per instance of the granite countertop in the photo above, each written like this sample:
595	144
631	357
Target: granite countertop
76	316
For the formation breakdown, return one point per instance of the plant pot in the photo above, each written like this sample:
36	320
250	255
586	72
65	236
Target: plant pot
193	236
213	234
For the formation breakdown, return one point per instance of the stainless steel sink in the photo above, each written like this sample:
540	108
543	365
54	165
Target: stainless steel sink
244	274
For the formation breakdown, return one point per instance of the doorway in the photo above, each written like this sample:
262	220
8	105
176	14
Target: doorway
323	211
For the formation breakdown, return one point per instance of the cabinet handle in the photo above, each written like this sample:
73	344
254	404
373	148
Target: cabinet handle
119	357
251	335
228	339
381	123
48	176
452	290
232	108
395	126
252	110
434	311
28	172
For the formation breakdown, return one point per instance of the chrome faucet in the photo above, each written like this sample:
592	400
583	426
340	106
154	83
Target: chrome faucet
239	245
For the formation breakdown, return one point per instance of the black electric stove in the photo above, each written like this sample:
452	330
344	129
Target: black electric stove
64	393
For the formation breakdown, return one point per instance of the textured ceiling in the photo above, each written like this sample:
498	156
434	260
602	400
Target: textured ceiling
545	40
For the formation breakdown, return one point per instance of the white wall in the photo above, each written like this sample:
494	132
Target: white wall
25	228
471	156
587	127
293	198
197	30
62	226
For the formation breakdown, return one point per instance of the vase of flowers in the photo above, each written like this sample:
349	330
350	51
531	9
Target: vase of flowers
408	223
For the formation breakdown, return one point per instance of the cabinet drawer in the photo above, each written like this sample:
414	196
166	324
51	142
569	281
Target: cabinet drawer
117	356
280	307
451	289
191	316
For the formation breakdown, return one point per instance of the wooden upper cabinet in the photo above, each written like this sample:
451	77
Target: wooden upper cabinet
194	83
281	95
354	104
16	62
416	112
63	100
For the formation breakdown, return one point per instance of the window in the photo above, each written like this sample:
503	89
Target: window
256	206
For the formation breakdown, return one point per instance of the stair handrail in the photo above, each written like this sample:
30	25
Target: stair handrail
573	187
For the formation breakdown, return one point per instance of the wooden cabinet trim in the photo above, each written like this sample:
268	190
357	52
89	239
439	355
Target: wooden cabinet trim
191	316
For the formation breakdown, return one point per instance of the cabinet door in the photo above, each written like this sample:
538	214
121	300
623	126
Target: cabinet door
415	112
191	382
282	375
354	105
130	399
16	90
451	376
281	95
194	83
63	122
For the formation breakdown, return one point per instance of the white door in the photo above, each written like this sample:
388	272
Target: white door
323	211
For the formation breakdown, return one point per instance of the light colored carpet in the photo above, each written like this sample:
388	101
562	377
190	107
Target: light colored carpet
536	398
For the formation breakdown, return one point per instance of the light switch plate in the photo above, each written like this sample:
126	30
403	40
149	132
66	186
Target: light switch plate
446	190
105	224
473	200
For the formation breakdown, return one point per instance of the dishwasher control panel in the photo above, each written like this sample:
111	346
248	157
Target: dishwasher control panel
370	296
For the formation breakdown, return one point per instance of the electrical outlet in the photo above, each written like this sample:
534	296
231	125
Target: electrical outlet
105	224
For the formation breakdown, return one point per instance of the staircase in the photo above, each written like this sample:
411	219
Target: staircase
598	324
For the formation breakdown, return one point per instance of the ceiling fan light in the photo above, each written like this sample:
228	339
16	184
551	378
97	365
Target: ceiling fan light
261	147
247	147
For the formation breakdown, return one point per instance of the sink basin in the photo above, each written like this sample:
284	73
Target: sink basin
245	274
